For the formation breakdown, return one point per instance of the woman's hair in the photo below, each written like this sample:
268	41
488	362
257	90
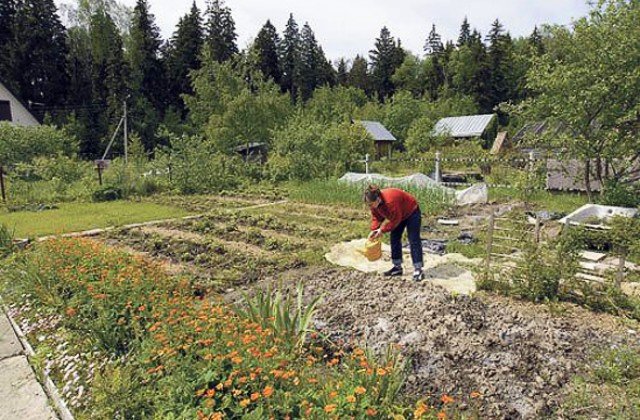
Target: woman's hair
371	193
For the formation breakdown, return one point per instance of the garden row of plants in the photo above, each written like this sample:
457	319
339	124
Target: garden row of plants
122	339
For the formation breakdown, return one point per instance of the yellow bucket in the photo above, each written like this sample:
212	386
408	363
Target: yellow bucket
372	249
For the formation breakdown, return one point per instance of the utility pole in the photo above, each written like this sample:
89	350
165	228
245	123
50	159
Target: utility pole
126	136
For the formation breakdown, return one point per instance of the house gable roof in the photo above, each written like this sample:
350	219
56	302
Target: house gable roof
377	131
465	126
25	109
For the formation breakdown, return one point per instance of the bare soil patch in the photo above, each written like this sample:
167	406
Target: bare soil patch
518	355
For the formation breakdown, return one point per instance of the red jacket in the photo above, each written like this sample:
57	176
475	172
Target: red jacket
396	206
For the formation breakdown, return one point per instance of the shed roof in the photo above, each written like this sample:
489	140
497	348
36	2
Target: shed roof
465	126
377	131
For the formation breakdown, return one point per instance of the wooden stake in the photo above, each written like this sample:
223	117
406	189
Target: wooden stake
4	194
492	220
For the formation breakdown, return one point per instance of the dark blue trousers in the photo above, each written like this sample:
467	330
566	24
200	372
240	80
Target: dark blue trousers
412	224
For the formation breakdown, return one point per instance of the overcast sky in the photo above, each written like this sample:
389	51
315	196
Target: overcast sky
345	28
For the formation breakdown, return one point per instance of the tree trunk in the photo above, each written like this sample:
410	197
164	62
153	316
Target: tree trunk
587	179
599	176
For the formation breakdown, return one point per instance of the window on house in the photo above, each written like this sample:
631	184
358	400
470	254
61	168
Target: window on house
5	111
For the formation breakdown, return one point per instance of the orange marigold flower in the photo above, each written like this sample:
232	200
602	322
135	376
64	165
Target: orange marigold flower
211	393
245	402
330	408
220	386
267	391
360	390
421	409
71	311
351	399
255	396
447	399
333	394
237	360
442	415
381	372
371	412
475	394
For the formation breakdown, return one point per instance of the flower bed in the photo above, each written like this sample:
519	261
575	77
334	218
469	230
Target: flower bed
123	339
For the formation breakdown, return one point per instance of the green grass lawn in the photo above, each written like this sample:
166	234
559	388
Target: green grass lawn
73	217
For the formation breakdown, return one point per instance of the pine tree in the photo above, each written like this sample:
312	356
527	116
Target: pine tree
465	33
290	57
433	45
359	75
385	59
147	81
183	55
40	55
7	43
266	49
220	31
342	76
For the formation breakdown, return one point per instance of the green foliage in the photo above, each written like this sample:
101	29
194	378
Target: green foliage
194	166
289	318
6	241
588	80
610	388
619	194
305	149
23	144
543	267
107	194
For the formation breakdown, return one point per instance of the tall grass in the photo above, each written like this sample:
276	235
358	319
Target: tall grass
432	201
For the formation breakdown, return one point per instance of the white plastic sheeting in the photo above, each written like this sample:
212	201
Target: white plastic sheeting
476	194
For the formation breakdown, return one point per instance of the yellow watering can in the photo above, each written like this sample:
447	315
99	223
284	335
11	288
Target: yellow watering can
372	249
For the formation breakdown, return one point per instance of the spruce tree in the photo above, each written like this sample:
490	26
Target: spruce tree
535	42
220	31
290	57
315	70
39	64
359	75
183	55
433	45
385	59
498	51
465	33
342	75
266	49
147	81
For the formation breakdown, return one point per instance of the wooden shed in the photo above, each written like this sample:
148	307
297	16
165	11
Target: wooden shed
383	139
468	126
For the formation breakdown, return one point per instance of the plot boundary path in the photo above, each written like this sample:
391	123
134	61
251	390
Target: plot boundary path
21	395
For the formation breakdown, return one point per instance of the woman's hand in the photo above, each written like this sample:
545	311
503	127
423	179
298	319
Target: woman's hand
375	234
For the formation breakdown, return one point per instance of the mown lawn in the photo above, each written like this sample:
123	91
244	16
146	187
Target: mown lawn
73	217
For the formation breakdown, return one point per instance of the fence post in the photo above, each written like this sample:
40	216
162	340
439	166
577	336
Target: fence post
438	169
99	169
492	221
532	163
366	163
4	194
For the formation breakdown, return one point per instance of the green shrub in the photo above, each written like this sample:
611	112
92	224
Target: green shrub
619	194
107	194
6	241
23	144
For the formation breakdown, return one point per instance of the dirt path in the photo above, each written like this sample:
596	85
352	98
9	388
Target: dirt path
519	356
